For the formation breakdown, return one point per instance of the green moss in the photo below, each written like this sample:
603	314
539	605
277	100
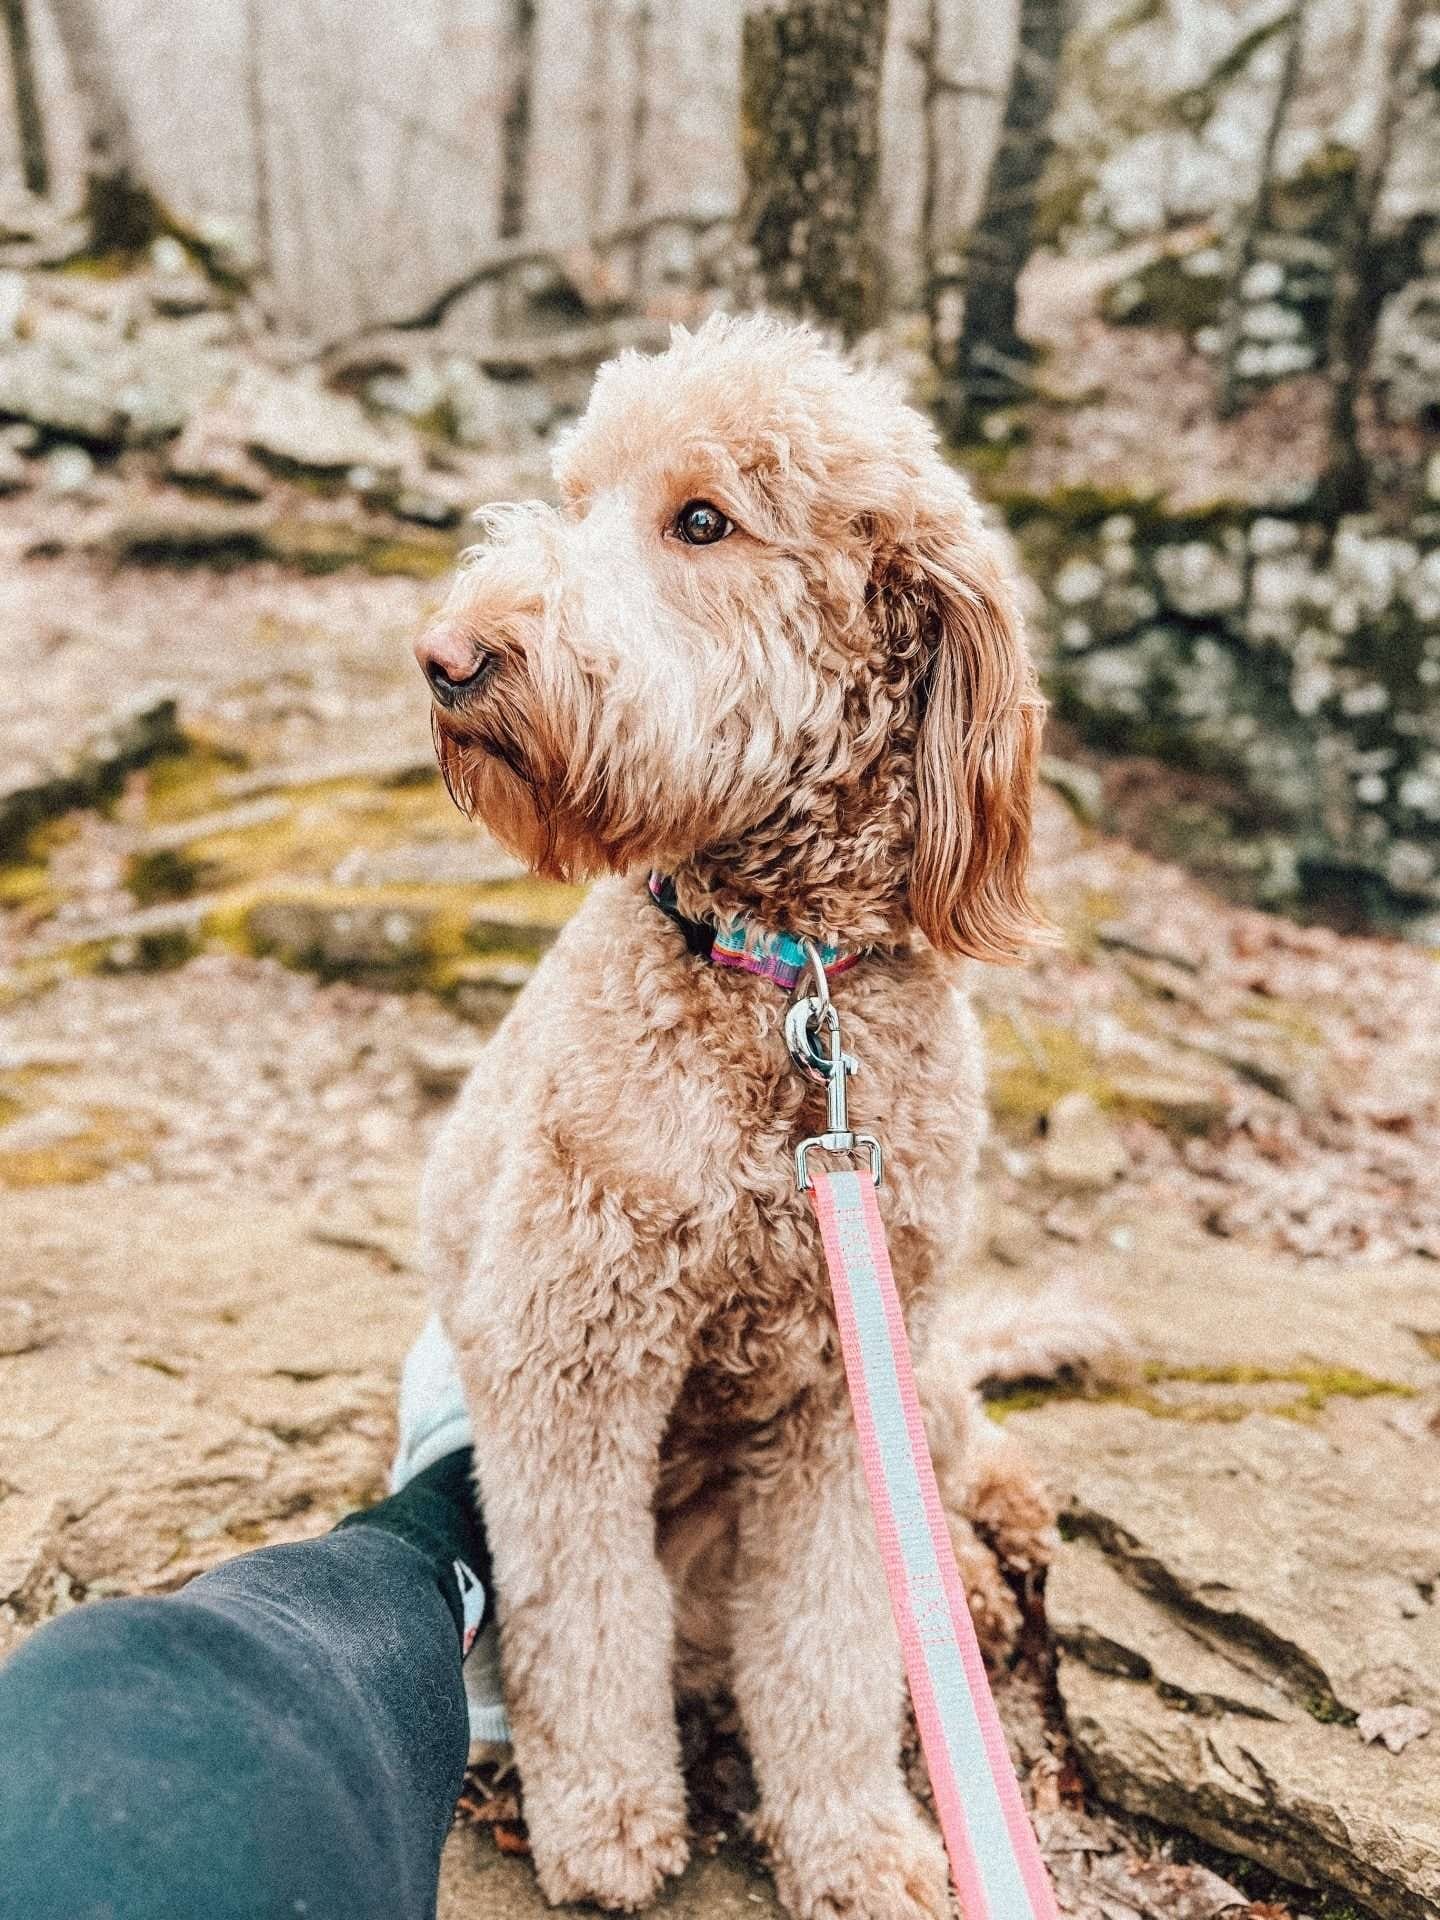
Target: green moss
26	883
319	826
222	541
1320	1385
158	952
110	1139
326	546
1079	509
1035	1063
94	779
1295	1023
440	422
1032	1065
1027	1399
164	874
413	558
182	784
1060	205
521	912
1168	294
117	265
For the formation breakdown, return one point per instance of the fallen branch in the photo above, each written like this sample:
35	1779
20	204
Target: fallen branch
510	256
500	358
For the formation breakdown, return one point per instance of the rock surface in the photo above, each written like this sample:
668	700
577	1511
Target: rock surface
1252	1561
207	1159
1081	1148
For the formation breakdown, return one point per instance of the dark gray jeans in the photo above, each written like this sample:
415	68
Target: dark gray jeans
286	1737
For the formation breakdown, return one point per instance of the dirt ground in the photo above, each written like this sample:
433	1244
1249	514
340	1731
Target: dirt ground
244	975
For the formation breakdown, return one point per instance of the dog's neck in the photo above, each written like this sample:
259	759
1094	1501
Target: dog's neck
831	869
743	946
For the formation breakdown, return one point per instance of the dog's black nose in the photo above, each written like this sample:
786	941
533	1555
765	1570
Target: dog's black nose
451	660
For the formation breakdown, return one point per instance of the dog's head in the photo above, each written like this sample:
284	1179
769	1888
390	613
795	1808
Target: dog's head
764	641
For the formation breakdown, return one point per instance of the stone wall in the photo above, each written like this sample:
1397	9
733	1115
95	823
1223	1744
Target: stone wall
1297	663
1273	322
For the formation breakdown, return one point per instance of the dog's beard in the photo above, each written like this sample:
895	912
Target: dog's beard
507	773
579	783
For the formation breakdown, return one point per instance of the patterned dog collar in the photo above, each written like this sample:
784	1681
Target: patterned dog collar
748	949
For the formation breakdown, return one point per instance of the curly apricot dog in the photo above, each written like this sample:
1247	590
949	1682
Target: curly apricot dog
765	648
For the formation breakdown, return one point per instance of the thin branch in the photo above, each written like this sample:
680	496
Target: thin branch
1355	305
936	83
503	358
1258	217
511	256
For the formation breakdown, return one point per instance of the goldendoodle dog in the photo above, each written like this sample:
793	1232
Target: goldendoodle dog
764	649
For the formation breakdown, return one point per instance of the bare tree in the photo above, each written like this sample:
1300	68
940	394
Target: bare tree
515	124
642	25
1357	299
120	210
29	118
936	85
1257	218
259	118
991	358
926	49
810	143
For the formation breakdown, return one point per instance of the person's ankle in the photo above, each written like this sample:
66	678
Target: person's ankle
432	1416
435	1512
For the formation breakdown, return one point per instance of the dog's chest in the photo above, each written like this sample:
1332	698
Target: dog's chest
764	1329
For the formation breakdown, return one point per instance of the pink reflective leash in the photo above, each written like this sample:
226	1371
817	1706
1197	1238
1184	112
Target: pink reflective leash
994	1857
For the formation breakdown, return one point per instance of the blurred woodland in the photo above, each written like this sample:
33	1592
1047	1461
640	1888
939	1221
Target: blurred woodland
1171	270
286	292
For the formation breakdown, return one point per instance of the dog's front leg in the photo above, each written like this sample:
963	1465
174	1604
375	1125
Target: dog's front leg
819	1682
567	1466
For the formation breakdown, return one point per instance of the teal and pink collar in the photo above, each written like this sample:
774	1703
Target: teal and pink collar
745	947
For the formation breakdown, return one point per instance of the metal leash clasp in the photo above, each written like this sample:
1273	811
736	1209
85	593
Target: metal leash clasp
812	1033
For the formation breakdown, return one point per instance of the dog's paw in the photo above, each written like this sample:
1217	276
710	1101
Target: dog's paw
891	1871
617	1859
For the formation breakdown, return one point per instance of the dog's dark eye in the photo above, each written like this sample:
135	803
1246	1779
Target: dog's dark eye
701	525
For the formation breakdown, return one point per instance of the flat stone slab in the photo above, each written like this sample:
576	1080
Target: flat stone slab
200	1373
1238	1586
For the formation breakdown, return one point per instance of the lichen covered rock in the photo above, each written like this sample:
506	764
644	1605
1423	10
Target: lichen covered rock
1299	661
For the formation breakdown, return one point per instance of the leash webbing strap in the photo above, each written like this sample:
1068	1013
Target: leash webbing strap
994	1856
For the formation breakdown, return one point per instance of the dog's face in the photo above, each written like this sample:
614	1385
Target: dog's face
764	614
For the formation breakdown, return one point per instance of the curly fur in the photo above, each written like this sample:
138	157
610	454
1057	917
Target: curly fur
826	721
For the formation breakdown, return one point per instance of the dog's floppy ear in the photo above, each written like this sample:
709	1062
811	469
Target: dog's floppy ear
977	748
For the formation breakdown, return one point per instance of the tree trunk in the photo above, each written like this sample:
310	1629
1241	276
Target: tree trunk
259	118
641	29
810	145
1258	217
927	52
1356	303
29	119
515	125
991	357
120	210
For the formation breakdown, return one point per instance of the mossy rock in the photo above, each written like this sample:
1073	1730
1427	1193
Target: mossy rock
1209	1395
222	538
85	1146
94	775
1169	293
